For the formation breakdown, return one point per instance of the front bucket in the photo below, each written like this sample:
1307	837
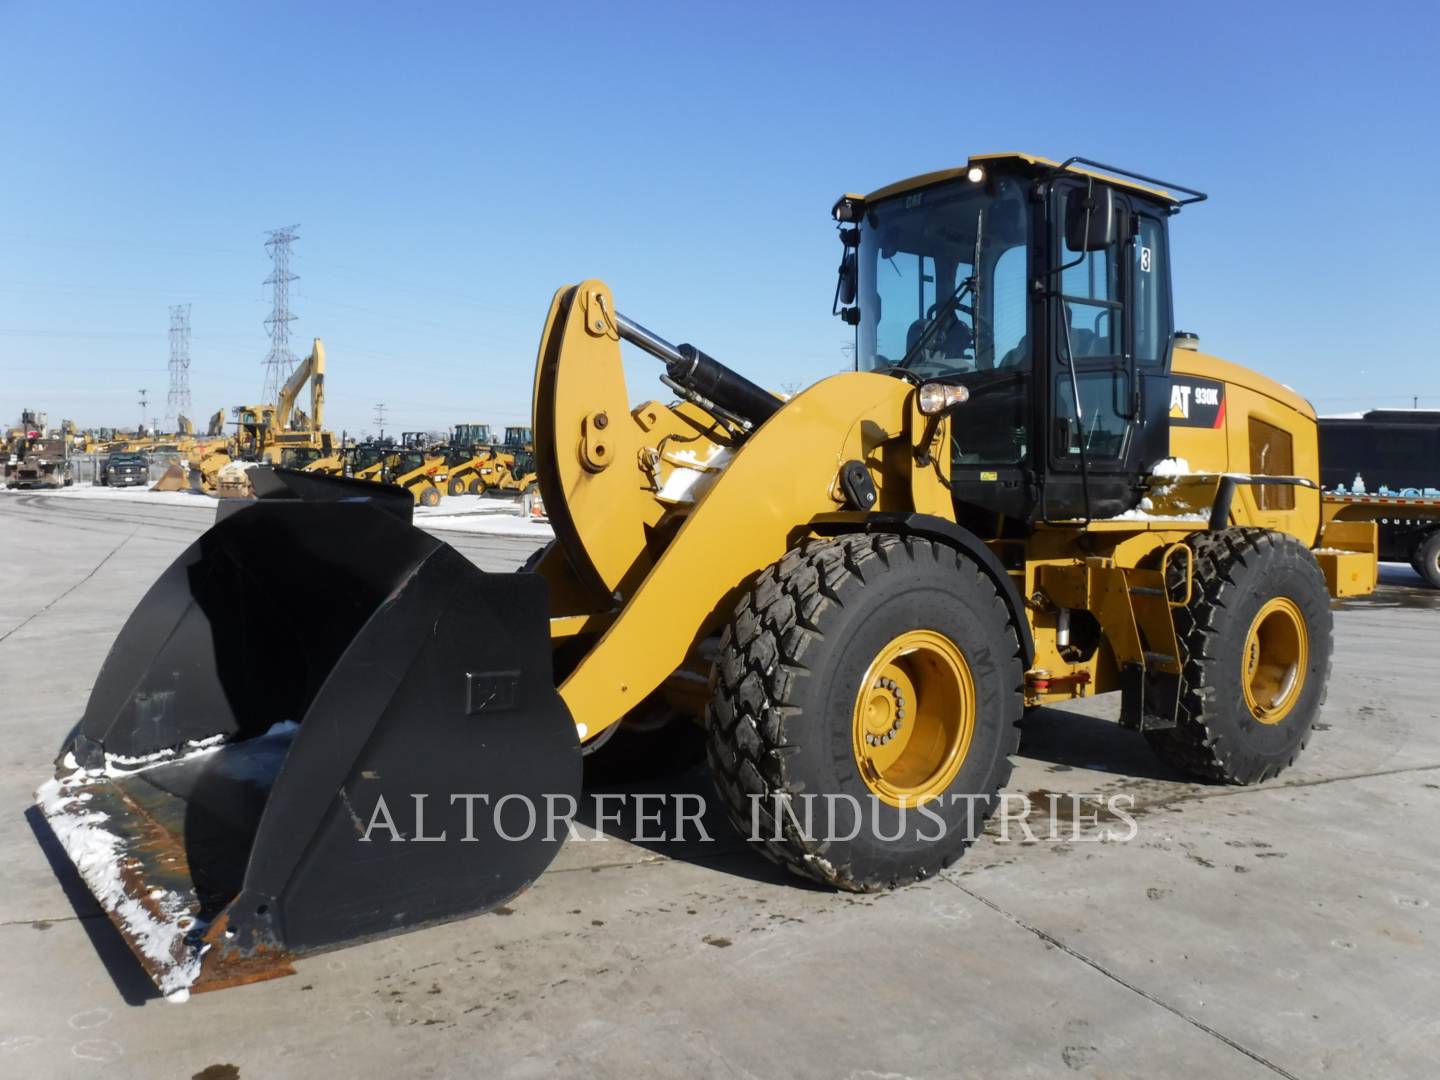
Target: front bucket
320	725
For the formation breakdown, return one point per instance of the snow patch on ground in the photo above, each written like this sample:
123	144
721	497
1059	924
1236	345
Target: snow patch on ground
489	524
130	494
459	513
481	514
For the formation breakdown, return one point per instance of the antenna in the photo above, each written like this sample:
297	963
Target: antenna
280	361
177	402
380	419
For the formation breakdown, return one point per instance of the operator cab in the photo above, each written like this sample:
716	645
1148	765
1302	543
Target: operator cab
1044	290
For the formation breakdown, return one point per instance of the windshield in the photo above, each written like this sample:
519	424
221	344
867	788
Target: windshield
942	280
298	457
471	434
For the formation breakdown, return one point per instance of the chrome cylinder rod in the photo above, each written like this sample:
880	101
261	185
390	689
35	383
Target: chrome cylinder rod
645	339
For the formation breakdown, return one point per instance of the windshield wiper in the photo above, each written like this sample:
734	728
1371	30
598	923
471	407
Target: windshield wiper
941	314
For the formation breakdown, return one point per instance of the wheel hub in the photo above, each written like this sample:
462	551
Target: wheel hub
914	718
1277	649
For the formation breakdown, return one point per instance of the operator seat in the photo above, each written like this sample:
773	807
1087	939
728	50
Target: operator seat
954	343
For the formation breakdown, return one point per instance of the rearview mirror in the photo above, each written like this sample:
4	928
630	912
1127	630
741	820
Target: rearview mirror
847	278
1090	219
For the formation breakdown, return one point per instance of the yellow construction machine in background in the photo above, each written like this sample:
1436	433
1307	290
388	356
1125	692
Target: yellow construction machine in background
469	459
512	464
418	467
266	433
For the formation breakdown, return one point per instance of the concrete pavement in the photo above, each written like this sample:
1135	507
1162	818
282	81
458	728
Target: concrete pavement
1285	930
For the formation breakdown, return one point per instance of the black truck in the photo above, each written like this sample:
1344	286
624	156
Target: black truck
1384	467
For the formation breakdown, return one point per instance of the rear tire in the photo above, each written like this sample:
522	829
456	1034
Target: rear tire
456	487
788	707
1255	644
1427	559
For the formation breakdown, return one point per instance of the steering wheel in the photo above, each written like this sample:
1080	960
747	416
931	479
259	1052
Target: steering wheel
966	308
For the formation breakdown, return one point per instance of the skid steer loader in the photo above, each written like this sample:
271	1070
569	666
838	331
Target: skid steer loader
858	590
468	459
417	467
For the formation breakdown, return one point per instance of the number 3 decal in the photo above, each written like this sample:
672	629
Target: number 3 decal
1145	260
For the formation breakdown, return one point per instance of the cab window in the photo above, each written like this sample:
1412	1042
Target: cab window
1152	299
1090	289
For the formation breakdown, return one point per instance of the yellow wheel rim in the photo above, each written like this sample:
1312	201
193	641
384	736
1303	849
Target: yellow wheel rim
914	718
1277	650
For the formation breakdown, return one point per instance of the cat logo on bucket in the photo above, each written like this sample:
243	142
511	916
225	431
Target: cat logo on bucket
1197	403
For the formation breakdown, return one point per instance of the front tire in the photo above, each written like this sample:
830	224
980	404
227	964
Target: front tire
430	497
1255	643
863	676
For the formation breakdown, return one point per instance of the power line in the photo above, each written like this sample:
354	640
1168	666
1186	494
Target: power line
177	402
280	361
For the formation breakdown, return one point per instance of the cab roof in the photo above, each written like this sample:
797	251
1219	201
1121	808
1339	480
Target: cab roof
1032	161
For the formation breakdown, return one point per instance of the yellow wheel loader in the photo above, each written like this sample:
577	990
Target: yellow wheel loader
857	591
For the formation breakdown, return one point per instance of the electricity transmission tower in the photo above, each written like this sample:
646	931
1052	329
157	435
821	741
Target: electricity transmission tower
177	403
280	361
380	419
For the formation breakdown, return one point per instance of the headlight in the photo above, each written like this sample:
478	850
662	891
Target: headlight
934	398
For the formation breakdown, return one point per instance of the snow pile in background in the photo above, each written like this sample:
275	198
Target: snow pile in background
459	513
480	514
131	494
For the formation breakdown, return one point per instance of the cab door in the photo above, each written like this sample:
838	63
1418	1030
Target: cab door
1097	400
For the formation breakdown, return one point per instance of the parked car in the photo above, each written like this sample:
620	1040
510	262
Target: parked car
125	470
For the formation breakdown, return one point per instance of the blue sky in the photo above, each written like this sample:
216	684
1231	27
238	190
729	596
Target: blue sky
451	165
